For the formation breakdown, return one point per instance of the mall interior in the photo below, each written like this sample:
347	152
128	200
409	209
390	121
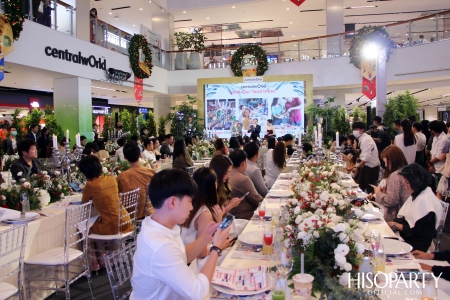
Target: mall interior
310	39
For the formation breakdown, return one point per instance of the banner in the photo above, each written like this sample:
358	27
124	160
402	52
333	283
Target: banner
298	2
138	89
369	88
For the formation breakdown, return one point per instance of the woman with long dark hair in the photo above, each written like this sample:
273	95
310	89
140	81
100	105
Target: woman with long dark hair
181	158
275	163
222	165
234	144
407	141
391	192
418	219
220	147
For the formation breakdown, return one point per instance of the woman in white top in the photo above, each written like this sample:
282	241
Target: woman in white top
205	210
275	163
407	141
421	143
148	153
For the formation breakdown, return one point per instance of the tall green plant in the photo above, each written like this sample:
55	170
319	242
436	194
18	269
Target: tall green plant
340	122
198	40
17	122
183	115
358	114
183	40
34	117
52	124
327	113
162	121
151	124
400	107
127	121
134	124
107	126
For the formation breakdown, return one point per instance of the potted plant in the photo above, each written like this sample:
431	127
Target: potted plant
183	40
198	45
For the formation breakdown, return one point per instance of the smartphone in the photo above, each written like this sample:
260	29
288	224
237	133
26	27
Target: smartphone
226	222
408	271
245	194
76	188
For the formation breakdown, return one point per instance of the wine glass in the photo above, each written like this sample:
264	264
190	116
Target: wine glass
379	259
284	261
375	239
261	212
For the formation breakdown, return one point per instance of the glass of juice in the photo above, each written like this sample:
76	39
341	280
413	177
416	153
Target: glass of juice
279	293
379	259
268	240
275	217
261	212
429	290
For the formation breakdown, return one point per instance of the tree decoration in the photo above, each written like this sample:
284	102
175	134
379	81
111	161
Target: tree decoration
369	34
257	51
141	69
13	11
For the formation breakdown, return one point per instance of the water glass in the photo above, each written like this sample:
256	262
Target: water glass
279	293
376	239
379	259
429	290
284	261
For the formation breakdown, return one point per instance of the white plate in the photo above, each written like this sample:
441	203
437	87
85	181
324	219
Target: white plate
370	217
394	247
29	217
281	193
283	182
251	237
222	289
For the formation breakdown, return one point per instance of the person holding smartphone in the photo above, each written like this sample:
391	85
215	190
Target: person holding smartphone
160	263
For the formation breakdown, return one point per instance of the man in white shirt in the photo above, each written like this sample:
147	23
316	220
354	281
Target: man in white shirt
160	269
377	122
437	158
119	152
369	165
253	171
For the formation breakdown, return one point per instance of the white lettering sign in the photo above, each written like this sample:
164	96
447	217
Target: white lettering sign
253	79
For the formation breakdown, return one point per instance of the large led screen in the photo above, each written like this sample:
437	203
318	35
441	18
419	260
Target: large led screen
282	102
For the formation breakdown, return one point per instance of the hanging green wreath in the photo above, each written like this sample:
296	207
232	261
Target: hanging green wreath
257	51
15	16
369	34
138	41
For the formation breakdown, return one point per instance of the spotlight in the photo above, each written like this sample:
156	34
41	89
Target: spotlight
370	51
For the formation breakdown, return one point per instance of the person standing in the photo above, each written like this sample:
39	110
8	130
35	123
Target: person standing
377	123
42	142
94	131
236	129
9	144
380	138
406	141
437	157
255	130
369	165
32	135
421	143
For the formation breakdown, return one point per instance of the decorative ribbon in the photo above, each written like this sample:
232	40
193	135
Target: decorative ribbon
138	89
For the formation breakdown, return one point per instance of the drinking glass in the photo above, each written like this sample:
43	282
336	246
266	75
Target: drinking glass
284	261
379	259
261	212
275	217
279	293
375	239
429	290
268	240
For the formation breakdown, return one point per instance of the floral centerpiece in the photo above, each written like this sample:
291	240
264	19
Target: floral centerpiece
8	160
201	150
114	168
11	195
322	226
111	147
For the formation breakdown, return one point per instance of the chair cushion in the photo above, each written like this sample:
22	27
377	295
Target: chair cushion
7	290
108	237
53	257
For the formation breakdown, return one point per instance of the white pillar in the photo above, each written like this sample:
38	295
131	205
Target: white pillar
163	24
72	101
83	20
431	113
335	24
381	83
161	107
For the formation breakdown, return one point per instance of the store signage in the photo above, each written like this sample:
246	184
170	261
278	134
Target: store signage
253	79
76	58
143	110
100	110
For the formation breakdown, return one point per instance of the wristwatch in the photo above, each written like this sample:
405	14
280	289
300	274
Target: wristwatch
394	227
215	248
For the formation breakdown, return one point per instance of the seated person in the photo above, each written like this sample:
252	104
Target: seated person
160	269
275	163
241	184
27	164
220	147
103	192
253	171
102	153
137	176
437	270
418	218
288	140
181	158
148	153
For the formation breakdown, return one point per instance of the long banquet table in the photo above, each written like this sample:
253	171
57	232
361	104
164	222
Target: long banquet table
382	227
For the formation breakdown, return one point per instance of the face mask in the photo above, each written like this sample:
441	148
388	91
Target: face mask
356	133
14	133
448	136
120	127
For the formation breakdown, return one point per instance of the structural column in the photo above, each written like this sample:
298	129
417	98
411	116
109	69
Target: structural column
83	20
72	103
381	83
335	24
161	107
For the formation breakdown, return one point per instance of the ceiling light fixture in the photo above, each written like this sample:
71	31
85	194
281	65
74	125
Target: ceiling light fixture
102	88
287	8
184	12
140	8
162	9
233	7
290	22
110	13
207	18
134	25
